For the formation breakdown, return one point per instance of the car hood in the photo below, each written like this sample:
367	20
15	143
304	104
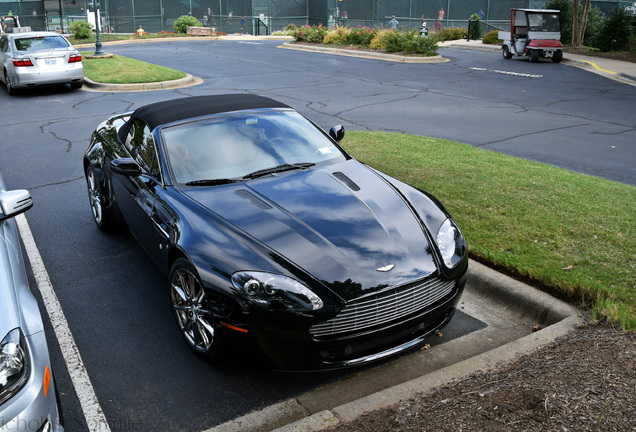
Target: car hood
344	224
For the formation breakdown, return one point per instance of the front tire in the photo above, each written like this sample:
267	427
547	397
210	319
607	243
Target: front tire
534	56
101	214
189	304
557	56
505	51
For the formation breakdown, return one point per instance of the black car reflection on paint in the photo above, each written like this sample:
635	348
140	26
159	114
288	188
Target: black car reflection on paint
271	233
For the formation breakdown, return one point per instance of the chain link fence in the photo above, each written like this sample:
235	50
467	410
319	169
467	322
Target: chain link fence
267	16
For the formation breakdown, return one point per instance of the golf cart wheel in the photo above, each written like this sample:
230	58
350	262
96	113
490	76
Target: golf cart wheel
557	56
506	52
534	56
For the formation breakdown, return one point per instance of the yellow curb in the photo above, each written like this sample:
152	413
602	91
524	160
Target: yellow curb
597	67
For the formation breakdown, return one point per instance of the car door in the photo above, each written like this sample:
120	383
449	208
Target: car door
136	194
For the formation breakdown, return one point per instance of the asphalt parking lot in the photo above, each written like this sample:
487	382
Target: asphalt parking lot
142	377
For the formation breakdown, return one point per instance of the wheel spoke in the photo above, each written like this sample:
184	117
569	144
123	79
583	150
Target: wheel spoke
179	292
205	333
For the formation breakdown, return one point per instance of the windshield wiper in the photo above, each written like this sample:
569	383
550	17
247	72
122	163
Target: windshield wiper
277	169
211	182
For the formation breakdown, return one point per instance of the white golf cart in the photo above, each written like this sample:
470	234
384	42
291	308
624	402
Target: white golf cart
534	33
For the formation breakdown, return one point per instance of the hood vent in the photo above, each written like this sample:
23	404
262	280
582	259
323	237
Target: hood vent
347	181
248	196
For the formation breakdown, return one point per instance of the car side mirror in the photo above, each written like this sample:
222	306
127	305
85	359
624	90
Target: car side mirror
14	202
125	166
337	133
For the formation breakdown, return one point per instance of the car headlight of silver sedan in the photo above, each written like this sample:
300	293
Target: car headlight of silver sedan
14	364
275	291
451	243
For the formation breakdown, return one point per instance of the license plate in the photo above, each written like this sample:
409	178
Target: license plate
50	62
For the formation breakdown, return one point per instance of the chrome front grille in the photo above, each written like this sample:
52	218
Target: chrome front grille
384	307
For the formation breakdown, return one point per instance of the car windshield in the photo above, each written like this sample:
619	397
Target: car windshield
238	145
40	43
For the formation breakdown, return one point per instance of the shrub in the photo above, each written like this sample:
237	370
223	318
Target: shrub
314	34
616	32
182	23
379	40
81	29
595	21
409	42
492	37
451	33
359	36
290	27
336	36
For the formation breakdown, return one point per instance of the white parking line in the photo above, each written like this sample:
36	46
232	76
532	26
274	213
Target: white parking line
507	72
95	418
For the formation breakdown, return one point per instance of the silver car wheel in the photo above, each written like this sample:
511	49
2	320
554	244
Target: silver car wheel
195	321
95	197
7	80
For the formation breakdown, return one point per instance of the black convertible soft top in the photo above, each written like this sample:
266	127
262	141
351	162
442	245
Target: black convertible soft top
169	111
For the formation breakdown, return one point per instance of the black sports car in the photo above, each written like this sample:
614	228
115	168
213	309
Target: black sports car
270	232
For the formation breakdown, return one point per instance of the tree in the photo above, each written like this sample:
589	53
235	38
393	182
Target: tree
616	31
579	22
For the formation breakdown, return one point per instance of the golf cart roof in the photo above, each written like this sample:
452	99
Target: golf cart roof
538	10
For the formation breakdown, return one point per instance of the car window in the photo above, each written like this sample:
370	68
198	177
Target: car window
3	44
40	43
236	145
141	146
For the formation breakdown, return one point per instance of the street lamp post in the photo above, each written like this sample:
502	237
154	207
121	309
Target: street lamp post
98	41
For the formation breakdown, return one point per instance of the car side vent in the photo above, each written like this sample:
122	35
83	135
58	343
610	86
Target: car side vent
247	195
346	180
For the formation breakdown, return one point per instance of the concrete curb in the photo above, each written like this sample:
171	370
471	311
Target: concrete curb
366	54
188	81
626	78
291	416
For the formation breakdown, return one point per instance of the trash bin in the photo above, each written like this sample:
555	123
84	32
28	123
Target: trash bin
423	30
474	29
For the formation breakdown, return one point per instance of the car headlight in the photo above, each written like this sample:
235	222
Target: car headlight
451	243
14	364
276	291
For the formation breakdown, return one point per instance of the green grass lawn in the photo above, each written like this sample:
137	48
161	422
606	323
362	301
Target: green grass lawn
573	234
124	70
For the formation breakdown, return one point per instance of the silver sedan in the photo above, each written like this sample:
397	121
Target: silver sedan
28	400
32	59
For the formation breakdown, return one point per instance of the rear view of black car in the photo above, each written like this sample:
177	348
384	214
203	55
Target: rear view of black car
270	233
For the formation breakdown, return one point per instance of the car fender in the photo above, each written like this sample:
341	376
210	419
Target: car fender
217	248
